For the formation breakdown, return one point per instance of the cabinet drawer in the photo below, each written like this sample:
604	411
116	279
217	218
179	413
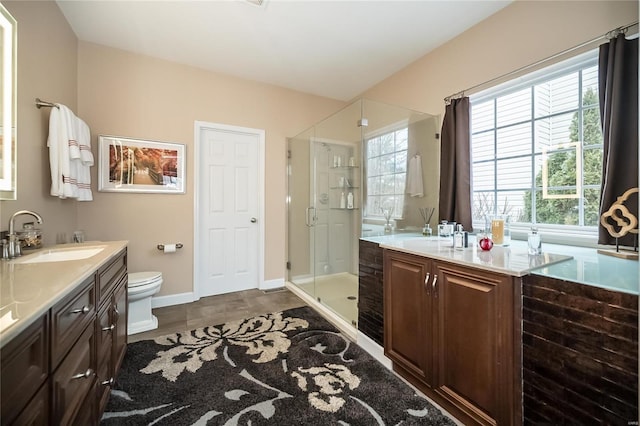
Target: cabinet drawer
109	275
74	380
37	412
70	317
25	367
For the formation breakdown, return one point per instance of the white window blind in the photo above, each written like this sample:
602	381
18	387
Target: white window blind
537	148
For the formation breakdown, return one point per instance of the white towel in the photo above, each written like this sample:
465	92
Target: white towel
415	187
70	175
84	162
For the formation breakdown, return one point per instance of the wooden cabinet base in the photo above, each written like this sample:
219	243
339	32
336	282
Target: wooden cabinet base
452	332
469	416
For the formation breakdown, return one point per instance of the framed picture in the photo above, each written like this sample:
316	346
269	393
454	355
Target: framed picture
136	165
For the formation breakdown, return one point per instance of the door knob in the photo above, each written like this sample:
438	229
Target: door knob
254	220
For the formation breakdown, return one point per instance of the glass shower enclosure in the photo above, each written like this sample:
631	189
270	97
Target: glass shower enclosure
342	174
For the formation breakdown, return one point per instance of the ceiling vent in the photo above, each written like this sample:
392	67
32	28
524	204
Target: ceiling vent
258	3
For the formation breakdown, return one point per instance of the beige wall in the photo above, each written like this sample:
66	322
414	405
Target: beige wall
517	36
521	34
47	69
125	94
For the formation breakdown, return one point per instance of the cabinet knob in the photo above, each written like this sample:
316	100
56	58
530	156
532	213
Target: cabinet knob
109	382
84	375
110	328
116	312
83	310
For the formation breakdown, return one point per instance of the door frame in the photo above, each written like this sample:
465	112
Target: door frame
199	126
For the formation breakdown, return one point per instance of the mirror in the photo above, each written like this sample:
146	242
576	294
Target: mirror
7	105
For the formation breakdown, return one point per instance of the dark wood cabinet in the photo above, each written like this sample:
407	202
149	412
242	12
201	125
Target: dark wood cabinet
449	330
408	314
74	379
25	368
59	370
111	329
474	347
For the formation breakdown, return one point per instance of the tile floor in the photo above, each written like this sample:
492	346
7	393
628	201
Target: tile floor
215	310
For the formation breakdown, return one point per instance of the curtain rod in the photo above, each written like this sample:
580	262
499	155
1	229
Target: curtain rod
611	34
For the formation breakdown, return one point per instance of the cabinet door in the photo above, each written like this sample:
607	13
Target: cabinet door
37	412
407	308
472	341
24	368
120	320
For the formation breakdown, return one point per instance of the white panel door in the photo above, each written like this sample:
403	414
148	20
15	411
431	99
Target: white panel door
228	210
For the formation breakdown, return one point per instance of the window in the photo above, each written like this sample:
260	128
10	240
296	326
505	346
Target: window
537	147
386	157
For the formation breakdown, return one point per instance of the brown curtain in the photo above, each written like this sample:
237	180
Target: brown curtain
618	89
455	164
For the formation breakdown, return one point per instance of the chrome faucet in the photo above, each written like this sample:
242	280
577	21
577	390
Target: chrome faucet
14	244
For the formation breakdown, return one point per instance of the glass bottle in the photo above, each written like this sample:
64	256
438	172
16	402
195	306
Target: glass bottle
458	238
534	242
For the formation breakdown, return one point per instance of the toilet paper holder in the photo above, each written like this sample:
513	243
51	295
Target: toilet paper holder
161	246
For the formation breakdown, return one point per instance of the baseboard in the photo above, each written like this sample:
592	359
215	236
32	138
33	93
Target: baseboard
271	284
172	299
374	349
181	298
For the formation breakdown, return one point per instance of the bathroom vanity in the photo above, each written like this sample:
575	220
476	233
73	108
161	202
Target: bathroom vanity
501	337
63	333
451	324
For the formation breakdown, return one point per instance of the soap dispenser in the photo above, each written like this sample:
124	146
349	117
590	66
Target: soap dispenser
350	200
343	201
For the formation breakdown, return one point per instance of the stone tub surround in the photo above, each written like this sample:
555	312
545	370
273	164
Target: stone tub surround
591	268
29	290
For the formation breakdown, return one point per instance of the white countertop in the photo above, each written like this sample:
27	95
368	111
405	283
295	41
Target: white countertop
29	290
570	263
513	260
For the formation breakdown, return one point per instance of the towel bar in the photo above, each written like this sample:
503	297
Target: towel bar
40	103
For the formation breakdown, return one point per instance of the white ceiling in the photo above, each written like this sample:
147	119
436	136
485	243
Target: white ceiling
335	49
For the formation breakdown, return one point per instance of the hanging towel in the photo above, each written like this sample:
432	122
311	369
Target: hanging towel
58	143
84	162
415	186
68	138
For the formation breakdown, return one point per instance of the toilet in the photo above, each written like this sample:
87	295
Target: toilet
141	287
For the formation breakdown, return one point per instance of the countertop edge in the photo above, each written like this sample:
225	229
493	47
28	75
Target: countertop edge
112	249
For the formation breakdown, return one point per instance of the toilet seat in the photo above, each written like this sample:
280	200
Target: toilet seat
137	279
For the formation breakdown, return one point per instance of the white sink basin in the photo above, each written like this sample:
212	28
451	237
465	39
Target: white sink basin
61	254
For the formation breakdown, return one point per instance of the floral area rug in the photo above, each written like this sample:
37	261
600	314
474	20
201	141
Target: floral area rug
283	368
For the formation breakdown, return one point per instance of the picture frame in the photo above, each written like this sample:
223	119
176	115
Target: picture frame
138	165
